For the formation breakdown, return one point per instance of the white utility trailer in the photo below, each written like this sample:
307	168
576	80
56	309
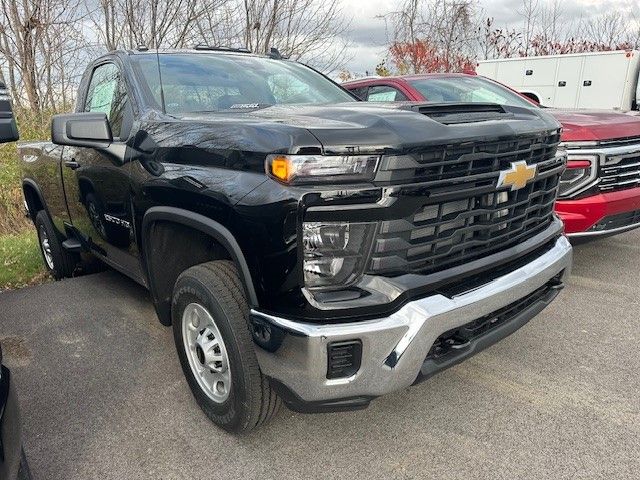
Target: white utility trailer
606	80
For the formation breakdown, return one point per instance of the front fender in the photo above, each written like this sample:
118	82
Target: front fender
210	227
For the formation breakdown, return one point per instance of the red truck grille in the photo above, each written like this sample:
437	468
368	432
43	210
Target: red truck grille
620	175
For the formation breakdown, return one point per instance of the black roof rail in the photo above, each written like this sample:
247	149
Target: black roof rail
221	48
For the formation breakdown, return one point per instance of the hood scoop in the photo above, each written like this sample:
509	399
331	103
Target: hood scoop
455	113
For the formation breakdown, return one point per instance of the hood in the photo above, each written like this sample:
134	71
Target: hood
362	126
596	125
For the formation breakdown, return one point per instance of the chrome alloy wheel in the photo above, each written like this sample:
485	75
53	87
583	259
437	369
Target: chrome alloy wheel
206	352
46	247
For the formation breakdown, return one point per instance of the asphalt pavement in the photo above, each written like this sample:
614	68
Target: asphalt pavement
103	396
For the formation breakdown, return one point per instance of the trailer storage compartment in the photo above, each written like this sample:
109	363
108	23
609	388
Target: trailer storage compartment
606	80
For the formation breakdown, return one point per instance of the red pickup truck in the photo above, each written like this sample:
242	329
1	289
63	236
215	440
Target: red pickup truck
600	190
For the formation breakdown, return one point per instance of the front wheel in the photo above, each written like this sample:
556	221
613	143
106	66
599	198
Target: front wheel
209	314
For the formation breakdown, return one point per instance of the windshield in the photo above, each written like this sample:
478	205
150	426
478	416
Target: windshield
468	89
209	82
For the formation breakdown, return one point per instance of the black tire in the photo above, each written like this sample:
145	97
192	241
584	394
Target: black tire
57	260
217	287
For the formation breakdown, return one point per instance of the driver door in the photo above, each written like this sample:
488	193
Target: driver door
97	182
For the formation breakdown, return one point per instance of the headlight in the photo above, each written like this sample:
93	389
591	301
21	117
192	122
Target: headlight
309	169
334	253
581	171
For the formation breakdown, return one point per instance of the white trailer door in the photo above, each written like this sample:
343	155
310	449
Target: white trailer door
540	71
568	82
510	73
603	81
539	78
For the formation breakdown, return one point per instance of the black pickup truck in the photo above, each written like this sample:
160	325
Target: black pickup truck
305	246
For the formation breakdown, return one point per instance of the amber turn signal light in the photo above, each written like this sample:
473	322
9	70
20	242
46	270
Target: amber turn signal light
280	168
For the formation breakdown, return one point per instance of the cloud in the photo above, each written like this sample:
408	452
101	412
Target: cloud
509	12
367	35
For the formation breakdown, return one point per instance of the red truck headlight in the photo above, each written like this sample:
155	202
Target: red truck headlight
581	172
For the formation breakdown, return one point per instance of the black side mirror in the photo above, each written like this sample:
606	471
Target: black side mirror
81	130
8	128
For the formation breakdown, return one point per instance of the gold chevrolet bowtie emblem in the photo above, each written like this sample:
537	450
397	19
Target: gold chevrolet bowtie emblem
517	176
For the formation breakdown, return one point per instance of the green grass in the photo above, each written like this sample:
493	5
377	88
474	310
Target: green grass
31	127
20	260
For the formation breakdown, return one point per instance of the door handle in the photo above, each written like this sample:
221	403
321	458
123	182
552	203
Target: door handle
72	164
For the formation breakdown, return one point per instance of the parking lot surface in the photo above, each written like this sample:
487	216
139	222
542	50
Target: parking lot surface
103	395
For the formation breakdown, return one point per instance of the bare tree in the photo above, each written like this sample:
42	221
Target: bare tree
40	40
549	20
454	24
408	21
448	29
309	30
499	42
546	31
218	24
107	18
129	23
608	30
529	13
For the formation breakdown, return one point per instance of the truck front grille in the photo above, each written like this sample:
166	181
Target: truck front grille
468	162
440	235
620	175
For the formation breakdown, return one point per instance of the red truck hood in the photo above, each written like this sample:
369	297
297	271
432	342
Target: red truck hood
595	125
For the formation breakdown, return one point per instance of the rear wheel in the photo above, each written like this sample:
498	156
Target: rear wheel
209	313
58	261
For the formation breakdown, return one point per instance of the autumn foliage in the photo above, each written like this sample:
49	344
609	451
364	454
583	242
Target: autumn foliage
420	56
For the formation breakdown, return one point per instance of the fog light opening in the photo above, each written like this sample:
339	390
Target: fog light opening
343	358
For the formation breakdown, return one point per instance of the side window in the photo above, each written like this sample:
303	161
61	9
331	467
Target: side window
107	94
385	93
360	92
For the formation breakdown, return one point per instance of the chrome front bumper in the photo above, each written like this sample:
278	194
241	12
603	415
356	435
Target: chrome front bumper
299	362
602	233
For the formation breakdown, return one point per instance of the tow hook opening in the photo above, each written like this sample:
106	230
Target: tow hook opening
455	341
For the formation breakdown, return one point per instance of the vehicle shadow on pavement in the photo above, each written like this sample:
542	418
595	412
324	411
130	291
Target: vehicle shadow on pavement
103	395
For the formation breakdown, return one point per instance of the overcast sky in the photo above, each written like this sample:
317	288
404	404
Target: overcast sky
368	34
